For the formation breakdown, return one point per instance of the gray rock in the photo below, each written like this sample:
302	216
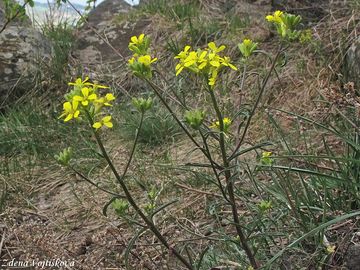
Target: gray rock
92	50
21	46
352	257
351	67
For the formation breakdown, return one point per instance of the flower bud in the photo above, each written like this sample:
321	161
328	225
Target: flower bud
120	206
64	157
141	104
194	118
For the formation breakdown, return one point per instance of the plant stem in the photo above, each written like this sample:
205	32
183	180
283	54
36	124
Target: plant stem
13	17
230	184
213	166
128	195
262	90
96	185
154	87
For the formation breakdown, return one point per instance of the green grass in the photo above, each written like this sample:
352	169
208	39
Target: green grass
307	189
30	129
62	38
158	127
174	10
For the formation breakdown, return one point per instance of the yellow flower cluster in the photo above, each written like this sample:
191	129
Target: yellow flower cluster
227	123
141	61
247	47
276	17
84	98
266	158
207	62
285	24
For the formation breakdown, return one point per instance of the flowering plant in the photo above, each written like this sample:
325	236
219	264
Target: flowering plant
86	102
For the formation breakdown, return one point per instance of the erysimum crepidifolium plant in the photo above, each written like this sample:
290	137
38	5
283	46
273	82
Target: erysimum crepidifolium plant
85	103
209	63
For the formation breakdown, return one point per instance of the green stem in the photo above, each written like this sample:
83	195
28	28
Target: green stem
13	17
154	87
262	90
230	185
96	185
213	166
128	195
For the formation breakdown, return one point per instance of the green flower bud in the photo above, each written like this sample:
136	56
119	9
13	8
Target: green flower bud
266	158
120	206
64	157
264	206
149	208
194	118
141	65
285	24
141	104
247	47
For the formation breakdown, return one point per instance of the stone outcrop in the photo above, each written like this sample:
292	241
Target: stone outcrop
351	67
105	26
21	46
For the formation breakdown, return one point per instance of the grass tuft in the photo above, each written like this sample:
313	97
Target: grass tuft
158	127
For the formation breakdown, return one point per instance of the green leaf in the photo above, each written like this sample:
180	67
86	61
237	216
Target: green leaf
310	233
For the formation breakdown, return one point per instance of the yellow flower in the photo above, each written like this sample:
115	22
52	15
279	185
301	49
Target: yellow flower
70	110
215	60
105	100
96	86
212	46
202	59
86	96
213	77
182	56
330	249
226	62
105	121
146	60
266	154
191	59
276	17
266	158
131	60
226	121
79	83
137	40
141	65
139	45
247	47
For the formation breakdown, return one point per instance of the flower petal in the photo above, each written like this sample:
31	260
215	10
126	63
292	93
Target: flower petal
69	117
92	97
97	125
108	124
109	97
134	39
77	98
76	114
85	91
67	106
106	119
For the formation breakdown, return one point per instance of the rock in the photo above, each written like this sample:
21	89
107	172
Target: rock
20	47
351	67
311	11
352	257
91	50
